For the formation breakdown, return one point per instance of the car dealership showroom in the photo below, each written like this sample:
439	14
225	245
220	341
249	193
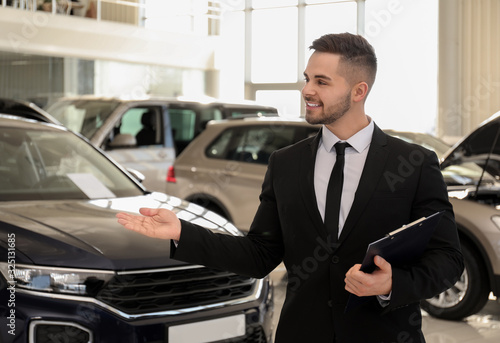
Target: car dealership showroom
161	171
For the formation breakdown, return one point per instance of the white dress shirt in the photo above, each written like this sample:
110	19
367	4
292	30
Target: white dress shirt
355	157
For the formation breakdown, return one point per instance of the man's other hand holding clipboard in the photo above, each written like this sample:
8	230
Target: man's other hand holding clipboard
399	247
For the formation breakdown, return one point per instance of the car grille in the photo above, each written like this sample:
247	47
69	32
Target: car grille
138	293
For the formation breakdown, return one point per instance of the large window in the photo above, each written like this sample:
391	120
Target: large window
276	42
278	34
329	18
274	45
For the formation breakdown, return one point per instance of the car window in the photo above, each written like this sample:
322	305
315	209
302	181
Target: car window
37	164
131	121
83	116
218	149
207	115
183	122
252	144
144	123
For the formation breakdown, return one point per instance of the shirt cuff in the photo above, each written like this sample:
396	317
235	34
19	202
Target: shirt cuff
384	300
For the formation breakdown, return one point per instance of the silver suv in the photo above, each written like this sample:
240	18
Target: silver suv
224	167
146	134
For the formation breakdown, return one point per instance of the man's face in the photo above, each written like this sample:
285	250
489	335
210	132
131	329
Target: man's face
327	94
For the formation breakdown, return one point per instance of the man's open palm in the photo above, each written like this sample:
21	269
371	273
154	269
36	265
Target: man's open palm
154	222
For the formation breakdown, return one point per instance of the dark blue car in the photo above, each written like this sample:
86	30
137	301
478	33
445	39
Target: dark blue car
71	273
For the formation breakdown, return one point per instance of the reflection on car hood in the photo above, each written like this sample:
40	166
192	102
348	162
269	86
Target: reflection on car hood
86	234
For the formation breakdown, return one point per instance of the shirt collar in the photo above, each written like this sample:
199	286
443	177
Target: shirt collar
359	141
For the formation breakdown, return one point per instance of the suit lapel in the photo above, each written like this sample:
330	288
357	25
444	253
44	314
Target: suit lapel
308	195
372	171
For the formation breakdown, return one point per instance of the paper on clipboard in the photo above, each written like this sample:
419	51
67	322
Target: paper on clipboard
399	247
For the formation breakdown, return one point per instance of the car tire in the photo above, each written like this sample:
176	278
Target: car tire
469	294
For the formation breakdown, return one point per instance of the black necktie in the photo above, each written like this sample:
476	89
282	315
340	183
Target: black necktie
334	192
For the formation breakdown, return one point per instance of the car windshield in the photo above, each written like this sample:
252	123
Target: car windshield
83	116
38	164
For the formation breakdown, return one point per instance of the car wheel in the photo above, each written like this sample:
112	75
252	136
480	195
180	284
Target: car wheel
469	294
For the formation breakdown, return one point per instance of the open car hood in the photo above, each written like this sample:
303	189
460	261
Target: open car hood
472	165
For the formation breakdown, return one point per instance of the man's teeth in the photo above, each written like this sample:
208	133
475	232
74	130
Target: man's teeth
312	105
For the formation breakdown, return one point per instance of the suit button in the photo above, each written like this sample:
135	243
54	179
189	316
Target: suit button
335	259
330	304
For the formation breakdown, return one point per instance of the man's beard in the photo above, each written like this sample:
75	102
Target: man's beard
332	113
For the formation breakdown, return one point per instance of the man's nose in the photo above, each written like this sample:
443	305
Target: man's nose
307	89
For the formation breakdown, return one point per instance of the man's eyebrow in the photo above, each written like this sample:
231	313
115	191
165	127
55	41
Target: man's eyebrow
320	76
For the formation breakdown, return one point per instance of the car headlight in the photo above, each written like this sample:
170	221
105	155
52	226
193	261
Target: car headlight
56	280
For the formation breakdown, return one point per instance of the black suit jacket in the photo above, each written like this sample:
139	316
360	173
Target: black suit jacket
400	183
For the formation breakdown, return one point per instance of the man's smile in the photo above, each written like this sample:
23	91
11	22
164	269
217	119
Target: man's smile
312	104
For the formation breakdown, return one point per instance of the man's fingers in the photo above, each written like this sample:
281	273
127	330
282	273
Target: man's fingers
352	279
376	283
152	222
123	216
130	221
381	263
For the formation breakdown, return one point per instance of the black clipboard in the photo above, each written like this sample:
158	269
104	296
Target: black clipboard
398	247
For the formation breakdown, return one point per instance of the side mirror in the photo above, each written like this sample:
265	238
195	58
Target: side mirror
136	174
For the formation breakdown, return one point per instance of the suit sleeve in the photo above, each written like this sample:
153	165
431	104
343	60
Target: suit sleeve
255	254
442	263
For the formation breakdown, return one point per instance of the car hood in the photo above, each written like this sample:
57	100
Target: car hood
471	168
86	234
462	148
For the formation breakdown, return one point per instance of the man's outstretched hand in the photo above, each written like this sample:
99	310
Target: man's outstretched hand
154	222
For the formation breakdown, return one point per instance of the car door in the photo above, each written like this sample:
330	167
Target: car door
142	140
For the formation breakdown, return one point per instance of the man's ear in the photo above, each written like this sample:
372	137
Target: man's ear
359	91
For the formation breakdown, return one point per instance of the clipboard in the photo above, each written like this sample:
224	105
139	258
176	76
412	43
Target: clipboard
399	247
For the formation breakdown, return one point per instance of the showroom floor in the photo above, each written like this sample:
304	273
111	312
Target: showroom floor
480	328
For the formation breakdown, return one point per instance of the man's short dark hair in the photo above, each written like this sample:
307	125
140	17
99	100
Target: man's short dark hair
357	56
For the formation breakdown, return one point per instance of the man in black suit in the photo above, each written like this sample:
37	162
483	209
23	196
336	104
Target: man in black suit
387	183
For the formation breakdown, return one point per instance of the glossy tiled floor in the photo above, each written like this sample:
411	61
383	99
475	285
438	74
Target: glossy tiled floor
480	328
